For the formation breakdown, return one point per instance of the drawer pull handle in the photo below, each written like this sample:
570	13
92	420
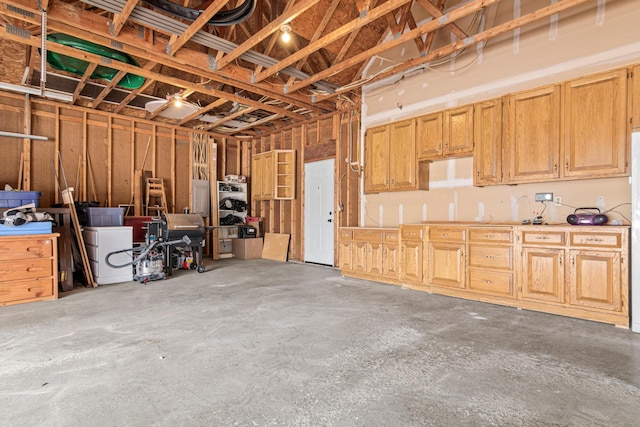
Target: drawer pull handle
488	236
33	249
34	269
489	282
489	257
445	234
542	237
595	240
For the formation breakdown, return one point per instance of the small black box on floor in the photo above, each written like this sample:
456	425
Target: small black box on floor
246	232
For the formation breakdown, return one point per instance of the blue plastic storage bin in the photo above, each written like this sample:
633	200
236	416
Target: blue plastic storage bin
28	228
13	199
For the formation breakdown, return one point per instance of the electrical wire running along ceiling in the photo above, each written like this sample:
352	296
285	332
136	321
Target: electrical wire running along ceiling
226	60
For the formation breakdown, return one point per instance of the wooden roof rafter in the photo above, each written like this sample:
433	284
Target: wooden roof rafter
436	12
459	45
332	37
215	104
148	82
274	37
455	14
230	117
83	81
121	18
176	42
265	32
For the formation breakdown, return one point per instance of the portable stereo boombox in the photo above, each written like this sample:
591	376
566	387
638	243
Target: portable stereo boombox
588	217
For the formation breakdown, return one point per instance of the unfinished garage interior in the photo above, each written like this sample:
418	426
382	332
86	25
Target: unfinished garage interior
320	212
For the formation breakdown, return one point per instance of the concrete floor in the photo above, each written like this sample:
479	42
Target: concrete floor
263	343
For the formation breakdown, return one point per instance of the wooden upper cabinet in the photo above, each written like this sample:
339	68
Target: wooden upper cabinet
445	134
390	156
429	136
402	157
458	131
376	151
487	137
533	134
273	175
595	125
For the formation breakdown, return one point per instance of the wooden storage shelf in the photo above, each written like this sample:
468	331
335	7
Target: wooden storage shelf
274	175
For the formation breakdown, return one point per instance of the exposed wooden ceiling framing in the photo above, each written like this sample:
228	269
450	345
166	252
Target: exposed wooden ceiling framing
243	73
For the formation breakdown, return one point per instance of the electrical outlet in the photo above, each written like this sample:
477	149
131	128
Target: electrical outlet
557	200
544	197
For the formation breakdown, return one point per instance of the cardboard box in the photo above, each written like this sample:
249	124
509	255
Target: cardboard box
247	248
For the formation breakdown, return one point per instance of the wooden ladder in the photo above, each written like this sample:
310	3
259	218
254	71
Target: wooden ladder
155	190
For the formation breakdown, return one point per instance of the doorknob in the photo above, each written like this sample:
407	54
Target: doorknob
329	220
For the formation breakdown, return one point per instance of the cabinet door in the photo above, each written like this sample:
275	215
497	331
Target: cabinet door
376	171
487	139
447	265
542	274
594	279
458	131
268	175
635	109
595	125
257	192
344	254
429	136
402	155
374	258
391	260
534	135
359	256
412	262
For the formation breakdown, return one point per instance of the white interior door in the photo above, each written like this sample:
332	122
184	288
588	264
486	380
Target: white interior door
318	211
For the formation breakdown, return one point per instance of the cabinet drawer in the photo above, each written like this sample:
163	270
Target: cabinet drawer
25	269
491	282
555	238
601	240
346	234
367	235
23	290
390	236
412	232
21	249
446	234
491	257
497	235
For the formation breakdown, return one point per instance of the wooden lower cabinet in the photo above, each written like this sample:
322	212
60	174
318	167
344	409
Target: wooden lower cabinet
573	271
413	259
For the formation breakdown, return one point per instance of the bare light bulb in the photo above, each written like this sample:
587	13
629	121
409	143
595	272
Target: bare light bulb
286	29
178	103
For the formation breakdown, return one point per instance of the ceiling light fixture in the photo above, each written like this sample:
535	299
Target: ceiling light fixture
286	29
178	102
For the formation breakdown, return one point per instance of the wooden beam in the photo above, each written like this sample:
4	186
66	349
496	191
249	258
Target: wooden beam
119	19
274	36
335	35
437	13
211	106
461	12
83	81
135	92
108	88
480	37
229	118
270	28
177	42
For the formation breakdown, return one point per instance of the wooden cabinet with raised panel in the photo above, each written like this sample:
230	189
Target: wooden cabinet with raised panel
487	150
491	261
447	257
576	271
445	134
413	240
595	125
273	175
390	159
369	253
28	268
533	135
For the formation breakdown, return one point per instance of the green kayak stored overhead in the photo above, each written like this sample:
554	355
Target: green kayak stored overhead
78	66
